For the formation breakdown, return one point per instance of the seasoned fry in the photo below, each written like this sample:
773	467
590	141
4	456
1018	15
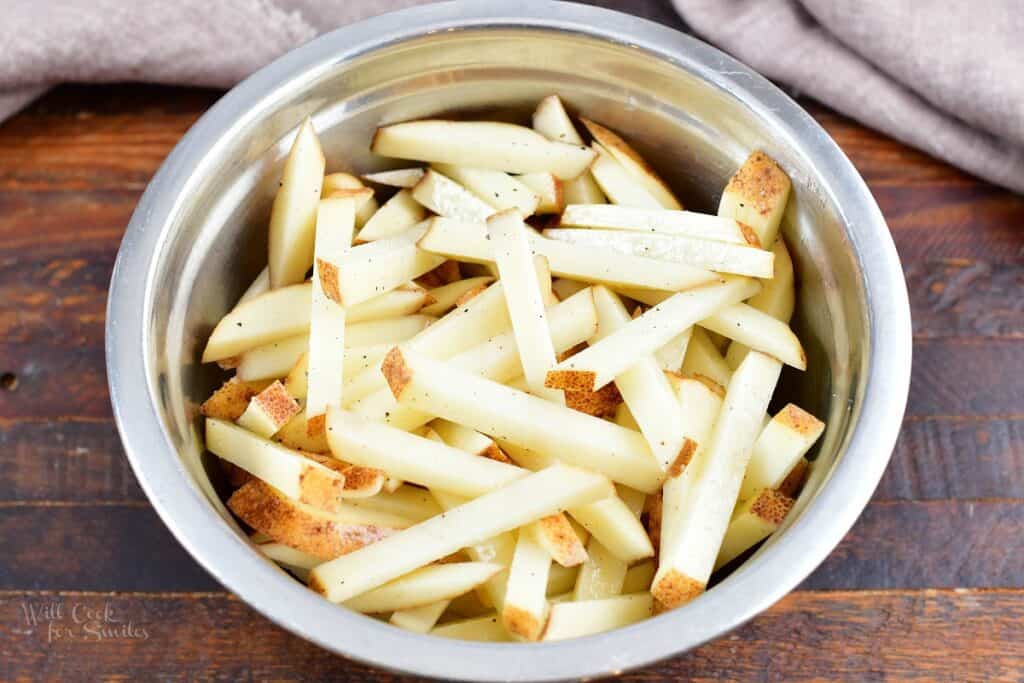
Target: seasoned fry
549	190
499	190
660	221
448	296
749	326
398	214
400	177
703	358
419	619
551	120
425	586
757	196
754	520
269	411
446	197
633	163
618	184
584	618
781	445
524	611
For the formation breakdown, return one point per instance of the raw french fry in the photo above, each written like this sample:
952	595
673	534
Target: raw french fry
297	477
633	163
386	331
469	440
323	534
399	213
618	184
602	362
643	386
608	520
361	358
276	315
633	499
757	195
601	403
424	586
524	299
602	575
450	392
293	217
400	177
781	445
777	297
575	619
445	197
551	120
723	257
794	482
366	205
468	242
335	225
374	268
703	358
448	272
670	356
261	285
658	221
496	359
684	574
297	436
414	458
564	288
701	402
408	502
549	190
269	411
487	628
561	579
521	502
753	521
497	189
481	144
272	360
624	418
229	401
558	538
447	296
749	326
639	577
283	554
419	619
524	610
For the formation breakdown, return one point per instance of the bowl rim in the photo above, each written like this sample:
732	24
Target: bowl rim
230	559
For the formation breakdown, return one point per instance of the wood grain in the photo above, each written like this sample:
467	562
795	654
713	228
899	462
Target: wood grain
862	636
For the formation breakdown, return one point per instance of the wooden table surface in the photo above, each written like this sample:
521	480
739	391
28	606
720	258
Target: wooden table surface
929	585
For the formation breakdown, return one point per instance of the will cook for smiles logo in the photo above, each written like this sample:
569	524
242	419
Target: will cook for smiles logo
58	620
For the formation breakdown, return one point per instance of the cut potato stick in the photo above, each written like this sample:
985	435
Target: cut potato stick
639	577
408	502
276	315
525	302
703	358
399	177
549	190
469	440
608	520
551	120
650	398
468	242
670	356
601	403
684	573
325	535
605	360
448	272
414	458
399	213
450	392
723	257
344	183
419	619
273	360
385	331
660	221
564	288
558	538
230	400
753	521
521	502
777	297
749	326
561	579
293	216
297	436
498	190
360	358
524	610
297	477
371	269
335	225
781	445
269	411
633	163
445	197
757	195
283	554
448	296
618	184
576	619
487	629
424	586
261	285
481	144
602	575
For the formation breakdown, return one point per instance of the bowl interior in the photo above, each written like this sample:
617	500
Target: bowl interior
692	131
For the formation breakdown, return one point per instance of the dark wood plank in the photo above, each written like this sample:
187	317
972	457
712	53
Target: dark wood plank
863	636
898	544
966	298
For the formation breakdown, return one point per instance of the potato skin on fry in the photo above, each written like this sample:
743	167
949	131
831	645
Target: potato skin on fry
229	401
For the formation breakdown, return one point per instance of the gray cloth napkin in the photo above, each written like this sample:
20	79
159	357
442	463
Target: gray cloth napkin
943	75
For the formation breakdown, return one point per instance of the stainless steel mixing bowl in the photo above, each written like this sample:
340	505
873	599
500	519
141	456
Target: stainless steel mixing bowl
198	238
